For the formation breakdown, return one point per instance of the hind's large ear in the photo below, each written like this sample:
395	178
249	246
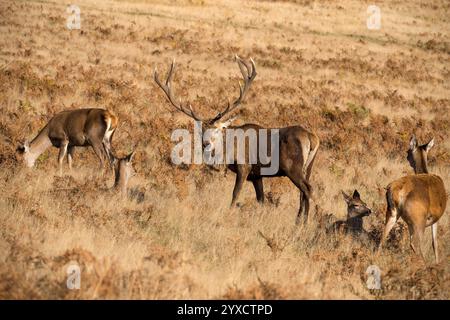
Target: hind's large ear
413	143
356	194
429	145
347	198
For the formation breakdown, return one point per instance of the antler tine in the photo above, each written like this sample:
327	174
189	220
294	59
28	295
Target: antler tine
170	73
248	71
166	87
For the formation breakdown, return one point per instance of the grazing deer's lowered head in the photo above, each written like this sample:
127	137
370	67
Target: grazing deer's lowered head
123	171
418	155
30	156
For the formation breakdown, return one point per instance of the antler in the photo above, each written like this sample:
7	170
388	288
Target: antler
166	87
248	71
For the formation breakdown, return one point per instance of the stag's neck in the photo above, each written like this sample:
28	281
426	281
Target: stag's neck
39	144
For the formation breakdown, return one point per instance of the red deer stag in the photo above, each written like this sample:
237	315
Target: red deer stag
419	199
74	128
297	147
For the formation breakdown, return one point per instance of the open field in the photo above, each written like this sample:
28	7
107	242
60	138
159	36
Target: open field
363	92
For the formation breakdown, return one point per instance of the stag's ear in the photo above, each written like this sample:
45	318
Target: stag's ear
413	143
227	123
429	145
347	198
129	157
356	194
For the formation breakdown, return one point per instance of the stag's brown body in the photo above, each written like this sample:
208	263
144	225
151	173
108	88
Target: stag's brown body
297	151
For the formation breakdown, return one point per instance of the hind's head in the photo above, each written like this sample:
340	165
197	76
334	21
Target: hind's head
123	169
417	155
355	206
28	157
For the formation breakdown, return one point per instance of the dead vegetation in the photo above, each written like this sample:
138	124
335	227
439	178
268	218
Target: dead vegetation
363	92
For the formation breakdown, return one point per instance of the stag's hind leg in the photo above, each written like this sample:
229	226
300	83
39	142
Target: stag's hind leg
259	189
391	219
305	193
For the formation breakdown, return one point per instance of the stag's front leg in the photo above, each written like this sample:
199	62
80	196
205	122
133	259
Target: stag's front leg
62	153
241	176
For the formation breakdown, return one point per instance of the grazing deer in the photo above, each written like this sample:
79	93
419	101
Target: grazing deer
356	211
419	199
74	128
123	171
297	146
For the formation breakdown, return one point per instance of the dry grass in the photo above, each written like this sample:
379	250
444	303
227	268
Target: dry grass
363	92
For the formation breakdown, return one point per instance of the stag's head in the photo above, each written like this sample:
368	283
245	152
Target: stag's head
355	206
212	128
418	155
27	156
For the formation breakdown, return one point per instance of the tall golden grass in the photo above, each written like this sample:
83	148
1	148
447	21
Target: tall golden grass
363	92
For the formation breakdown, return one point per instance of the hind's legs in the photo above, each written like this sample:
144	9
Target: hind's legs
434	230
391	219
416	235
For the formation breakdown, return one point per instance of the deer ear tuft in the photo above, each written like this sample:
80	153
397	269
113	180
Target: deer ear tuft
347	198
429	145
356	194
25	147
413	143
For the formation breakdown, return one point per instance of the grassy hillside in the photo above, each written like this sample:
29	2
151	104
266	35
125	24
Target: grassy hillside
364	92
